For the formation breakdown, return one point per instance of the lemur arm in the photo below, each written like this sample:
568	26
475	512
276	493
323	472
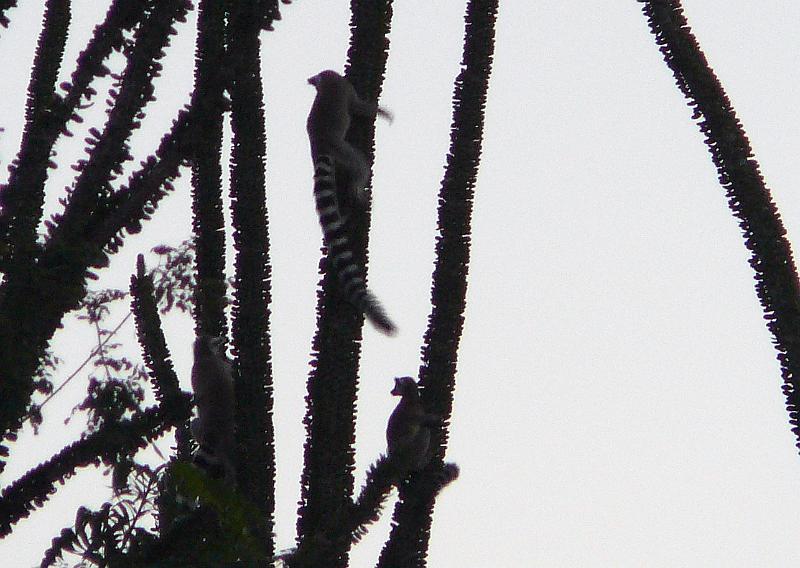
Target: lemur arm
368	109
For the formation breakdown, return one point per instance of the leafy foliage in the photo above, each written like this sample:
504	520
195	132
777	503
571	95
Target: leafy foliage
101	538
173	277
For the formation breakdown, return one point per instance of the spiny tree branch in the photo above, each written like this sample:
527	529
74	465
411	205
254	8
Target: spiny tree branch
112	440
408	542
57	282
748	196
208	220
252	296
327	479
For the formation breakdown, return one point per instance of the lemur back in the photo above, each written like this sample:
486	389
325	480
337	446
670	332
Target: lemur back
341	173
408	433
213	429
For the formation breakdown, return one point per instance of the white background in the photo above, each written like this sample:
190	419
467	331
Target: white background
618	399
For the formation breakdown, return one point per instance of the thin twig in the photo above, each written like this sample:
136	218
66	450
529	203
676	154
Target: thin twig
91	355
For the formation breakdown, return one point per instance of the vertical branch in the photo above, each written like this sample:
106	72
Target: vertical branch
19	354
208	221
408	542
748	196
151	336
327	479
255	433
23	209
162	374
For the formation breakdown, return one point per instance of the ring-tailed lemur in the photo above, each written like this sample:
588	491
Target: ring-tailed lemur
341	173
408	434
213	429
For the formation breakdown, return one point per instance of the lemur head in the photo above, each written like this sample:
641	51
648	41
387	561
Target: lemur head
324	76
207	345
404	386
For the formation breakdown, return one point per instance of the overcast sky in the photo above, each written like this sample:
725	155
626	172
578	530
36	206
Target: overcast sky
618	399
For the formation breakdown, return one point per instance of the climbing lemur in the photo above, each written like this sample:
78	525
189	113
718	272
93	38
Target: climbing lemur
341	173
408	434
213	429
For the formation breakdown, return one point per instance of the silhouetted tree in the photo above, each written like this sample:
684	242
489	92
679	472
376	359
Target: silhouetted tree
199	521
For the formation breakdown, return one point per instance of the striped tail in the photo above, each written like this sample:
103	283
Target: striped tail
355	289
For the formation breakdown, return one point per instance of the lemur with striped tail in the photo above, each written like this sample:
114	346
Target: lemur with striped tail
341	173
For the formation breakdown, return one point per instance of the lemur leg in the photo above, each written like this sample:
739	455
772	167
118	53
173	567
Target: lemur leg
353	164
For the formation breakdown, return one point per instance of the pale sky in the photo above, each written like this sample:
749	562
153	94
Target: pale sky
618	398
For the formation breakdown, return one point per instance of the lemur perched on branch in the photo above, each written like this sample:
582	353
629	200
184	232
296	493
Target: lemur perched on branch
408	434
213	429
341	173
